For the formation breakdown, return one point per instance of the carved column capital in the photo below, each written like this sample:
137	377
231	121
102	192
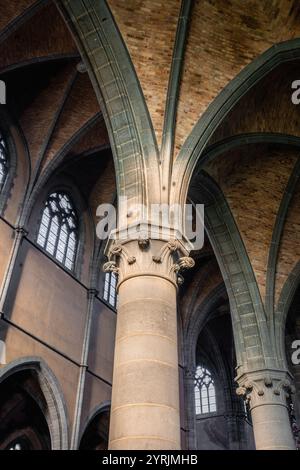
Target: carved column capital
265	387
148	257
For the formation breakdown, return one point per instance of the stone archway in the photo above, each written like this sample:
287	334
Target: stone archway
40	389
95	432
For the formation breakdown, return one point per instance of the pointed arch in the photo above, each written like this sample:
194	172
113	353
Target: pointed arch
197	322
55	164
285	300
120	96
191	153
57	418
251	335
97	412
19	173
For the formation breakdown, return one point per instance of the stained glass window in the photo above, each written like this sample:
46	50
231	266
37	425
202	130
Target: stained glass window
16	446
3	161
58	232
21	443
110	289
205	393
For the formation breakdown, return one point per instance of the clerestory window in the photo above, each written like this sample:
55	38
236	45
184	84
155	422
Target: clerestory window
4	161
110	289
58	231
205	393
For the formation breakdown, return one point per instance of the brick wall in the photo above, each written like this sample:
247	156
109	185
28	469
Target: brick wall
43	34
253	179
148	28
267	107
224	37
289	252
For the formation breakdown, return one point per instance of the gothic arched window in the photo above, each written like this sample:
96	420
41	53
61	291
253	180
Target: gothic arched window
205	393
19	444
110	289
58	232
16	446
4	164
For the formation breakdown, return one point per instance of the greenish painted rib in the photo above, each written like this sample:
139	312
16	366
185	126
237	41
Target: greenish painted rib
238	275
45	145
275	242
119	93
217	111
232	142
53	165
28	13
286	297
173	92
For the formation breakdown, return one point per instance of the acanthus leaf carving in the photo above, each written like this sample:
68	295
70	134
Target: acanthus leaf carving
269	386
133	252
185	262
117	251
110	267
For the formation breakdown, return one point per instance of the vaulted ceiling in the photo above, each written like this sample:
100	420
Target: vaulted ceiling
52	98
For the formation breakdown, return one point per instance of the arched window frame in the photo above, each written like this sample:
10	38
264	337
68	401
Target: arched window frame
77	229
5	134
110	289
19	443
104	407
204	392
4	161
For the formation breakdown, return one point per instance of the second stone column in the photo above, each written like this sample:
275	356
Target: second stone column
145	394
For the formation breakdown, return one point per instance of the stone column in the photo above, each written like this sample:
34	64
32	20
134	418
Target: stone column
20	233
189	385
266	392
145	393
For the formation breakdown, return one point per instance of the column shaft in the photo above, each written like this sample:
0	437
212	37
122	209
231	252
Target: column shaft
266	392
145	393
271	426
145	397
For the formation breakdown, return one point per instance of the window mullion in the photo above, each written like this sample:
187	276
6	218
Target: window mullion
208	398
57	237
66	247
204	385
51	216
60	213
